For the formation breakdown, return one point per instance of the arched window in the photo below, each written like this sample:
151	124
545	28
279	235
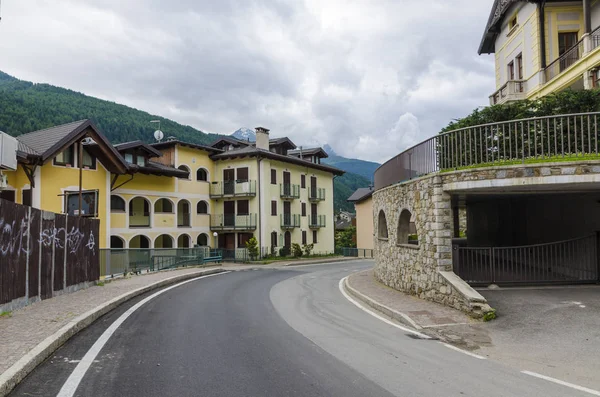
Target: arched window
407	233
163	241
202	240
116	242
186	169
184	241
163	206
139	241
117	204
183	213
202	207
201	175
382	230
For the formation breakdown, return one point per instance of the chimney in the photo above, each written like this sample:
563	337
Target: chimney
262	138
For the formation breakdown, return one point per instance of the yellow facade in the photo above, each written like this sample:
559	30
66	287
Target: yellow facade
364	223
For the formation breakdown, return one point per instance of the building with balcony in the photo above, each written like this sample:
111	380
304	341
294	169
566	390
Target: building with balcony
175	194
542	47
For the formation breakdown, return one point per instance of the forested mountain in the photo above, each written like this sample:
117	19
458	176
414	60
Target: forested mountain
26	107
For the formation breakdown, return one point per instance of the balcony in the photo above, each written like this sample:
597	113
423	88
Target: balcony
289	192
233	189
573	55
139	219
289	221
513	90
316	221
317	194
233	222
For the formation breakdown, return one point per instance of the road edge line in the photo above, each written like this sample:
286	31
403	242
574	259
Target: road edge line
342	286
26	364
388	311
562	382
468	353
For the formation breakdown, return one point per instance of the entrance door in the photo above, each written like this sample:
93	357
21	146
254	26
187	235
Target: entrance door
566	41
313	187
229	181
288	241
229	214
287	213
286	184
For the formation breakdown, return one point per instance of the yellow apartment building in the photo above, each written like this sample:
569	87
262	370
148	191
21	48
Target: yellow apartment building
542	47
363	206
175	194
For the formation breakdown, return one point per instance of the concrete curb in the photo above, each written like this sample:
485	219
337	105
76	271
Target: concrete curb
323	261
19	370
396	315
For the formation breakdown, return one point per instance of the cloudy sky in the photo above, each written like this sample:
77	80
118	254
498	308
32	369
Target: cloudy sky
369	77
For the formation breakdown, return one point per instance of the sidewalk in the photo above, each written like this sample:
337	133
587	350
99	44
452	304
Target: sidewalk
438	321
25	329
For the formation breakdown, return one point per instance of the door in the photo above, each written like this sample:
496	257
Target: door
287	213
287	191
229	181
229	214
566	41
313	187
288	241
313	214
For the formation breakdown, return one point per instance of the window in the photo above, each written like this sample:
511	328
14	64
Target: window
303	209
117	204
519	60
202	240
382	231
274	239
243	207
273	177
407	233
274	208
595	78
26	197
566	41
186	169
163	206
116	242
201	175
314	236
243	238
512	23
88	160
242	174
129	158
303	181
202	207
511	70
304	237
8	195
140	160
65	157
89	203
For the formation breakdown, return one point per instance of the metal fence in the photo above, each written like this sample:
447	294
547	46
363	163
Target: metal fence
356	252
240	188
570	261
573	136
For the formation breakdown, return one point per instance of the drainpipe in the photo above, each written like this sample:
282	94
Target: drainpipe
542	22
333	208
258	161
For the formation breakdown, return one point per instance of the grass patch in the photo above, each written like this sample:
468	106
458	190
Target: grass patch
291	258
490	315
6	314
535	160
100	283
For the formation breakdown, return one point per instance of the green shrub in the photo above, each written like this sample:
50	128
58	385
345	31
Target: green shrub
307	248
252	247
296	250
284	251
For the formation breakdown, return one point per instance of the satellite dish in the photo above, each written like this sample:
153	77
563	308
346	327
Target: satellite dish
158	135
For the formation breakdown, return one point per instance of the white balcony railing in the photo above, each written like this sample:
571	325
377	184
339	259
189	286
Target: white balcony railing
512	90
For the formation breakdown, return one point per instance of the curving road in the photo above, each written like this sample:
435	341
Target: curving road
269	332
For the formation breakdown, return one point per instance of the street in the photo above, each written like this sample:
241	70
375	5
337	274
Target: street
270	332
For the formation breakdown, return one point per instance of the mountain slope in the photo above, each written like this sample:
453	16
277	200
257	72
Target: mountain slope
245	134
26	107
366	169
343	187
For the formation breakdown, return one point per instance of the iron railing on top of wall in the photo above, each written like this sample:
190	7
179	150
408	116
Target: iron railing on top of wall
563	137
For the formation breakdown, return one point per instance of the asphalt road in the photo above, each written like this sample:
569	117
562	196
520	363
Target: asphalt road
270	333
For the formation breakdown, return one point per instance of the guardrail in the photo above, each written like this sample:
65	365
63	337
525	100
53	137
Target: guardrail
290	221
241	188
233	222
317	194
563	137
316	221
357	252
289	191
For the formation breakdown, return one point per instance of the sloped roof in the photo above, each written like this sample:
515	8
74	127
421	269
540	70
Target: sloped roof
494	24
138	145
251	151
173	142
360	194
153	168
42	141
309	152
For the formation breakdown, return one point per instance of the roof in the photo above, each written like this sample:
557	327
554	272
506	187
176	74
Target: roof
251	151
43	145
282	141
309	152
230	140
173	142
153	168
342	224
360	194
494	24
138	145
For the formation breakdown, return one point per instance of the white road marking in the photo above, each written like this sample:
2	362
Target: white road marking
443	325
70	386
560	382
385	320
468	353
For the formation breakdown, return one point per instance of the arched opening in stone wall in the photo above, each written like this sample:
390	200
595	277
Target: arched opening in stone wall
382	229
407	231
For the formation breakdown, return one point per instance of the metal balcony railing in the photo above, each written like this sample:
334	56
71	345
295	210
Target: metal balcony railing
289	191
317	194
233	222
559	138
290	221
316	221
565	61
239	188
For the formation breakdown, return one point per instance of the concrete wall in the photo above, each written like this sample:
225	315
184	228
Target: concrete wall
364	224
